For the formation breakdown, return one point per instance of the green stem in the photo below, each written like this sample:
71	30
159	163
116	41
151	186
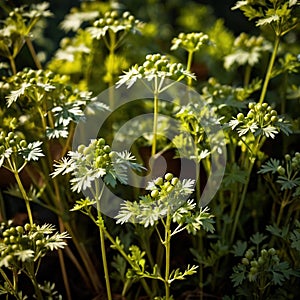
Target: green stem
24	195
13	65
155	120
102	242
269	71
167	244
30	274
11	285
123	253
189	65
241	204
247	75
33	53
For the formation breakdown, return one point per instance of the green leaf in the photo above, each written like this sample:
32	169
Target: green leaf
257	238
239	275
239	248
295	238
267	20
270	166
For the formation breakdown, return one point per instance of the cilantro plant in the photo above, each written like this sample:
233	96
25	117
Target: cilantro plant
87	165
156	69
261	271
164	205
163	245
22	249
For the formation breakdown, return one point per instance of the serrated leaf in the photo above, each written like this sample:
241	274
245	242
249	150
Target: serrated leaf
257	238
270	166
267	20
239	248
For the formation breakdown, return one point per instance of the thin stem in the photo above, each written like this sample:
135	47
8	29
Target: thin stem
189	65
102	243
269	71
155	119
13	65
123	253
12	286
241	204
24	195
33	53
167	244
247	75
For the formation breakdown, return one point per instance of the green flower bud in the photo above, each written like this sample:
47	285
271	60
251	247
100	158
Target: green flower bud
261	261
168	176
251	105
27	227
106	149
240	117
281	170
23	144
264	253
287	157
20	229
245	261
272	251
249	254
274	119
174	181
158	181
253	270
154	193
170	188
254	263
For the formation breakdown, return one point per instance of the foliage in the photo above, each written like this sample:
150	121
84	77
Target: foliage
162	244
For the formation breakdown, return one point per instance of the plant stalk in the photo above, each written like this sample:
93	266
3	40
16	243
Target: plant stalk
155	120
269	71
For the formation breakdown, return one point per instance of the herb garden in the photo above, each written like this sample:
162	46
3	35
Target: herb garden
150	150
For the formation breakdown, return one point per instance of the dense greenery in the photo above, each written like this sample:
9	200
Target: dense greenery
239	65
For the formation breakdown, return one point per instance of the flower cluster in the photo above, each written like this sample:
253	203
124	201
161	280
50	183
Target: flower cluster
114	22
95	161
266	265
167	196
155	66
14	144
287	172
246	50
261	120
191	42
28	243
42	93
